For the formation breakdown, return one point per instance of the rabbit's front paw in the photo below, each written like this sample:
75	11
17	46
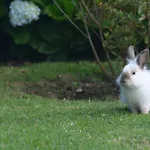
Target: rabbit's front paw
144	109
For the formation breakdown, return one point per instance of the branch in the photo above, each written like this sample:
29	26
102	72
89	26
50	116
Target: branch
100	32
92	17
93	49
70	19
148	16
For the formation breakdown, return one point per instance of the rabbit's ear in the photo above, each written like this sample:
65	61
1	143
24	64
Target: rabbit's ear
143	58
131	53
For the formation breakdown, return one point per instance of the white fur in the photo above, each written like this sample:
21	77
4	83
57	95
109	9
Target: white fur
136	92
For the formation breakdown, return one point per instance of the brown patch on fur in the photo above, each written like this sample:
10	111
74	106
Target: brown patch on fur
125	76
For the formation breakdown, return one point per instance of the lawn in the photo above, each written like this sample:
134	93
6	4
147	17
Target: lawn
32	122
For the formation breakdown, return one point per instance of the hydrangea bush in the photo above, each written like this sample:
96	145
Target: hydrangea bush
23	12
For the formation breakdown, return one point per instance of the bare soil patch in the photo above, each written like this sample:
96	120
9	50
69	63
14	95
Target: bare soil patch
65	87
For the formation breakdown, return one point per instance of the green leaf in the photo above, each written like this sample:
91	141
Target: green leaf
142	8
20	35
40	2
68	7
106	23
146	39
80	15
98	1
106	35
40	44
54	12
3	9
54	33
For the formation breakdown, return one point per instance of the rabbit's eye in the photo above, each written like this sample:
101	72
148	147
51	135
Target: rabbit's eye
133	73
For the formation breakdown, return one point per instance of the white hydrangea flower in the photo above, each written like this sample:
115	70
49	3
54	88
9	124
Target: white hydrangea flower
23	12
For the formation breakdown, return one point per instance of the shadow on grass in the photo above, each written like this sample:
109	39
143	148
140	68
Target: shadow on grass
96	113
116	110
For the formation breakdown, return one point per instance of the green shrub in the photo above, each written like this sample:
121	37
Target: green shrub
51	34
121	23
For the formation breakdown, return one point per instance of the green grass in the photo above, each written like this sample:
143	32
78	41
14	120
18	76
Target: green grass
35	72
29	122
38	123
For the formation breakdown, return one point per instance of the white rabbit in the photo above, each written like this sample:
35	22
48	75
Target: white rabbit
134	82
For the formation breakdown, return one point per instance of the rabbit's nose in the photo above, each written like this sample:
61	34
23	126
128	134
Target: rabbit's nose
123	79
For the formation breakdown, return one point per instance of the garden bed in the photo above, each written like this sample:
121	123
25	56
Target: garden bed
65	87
